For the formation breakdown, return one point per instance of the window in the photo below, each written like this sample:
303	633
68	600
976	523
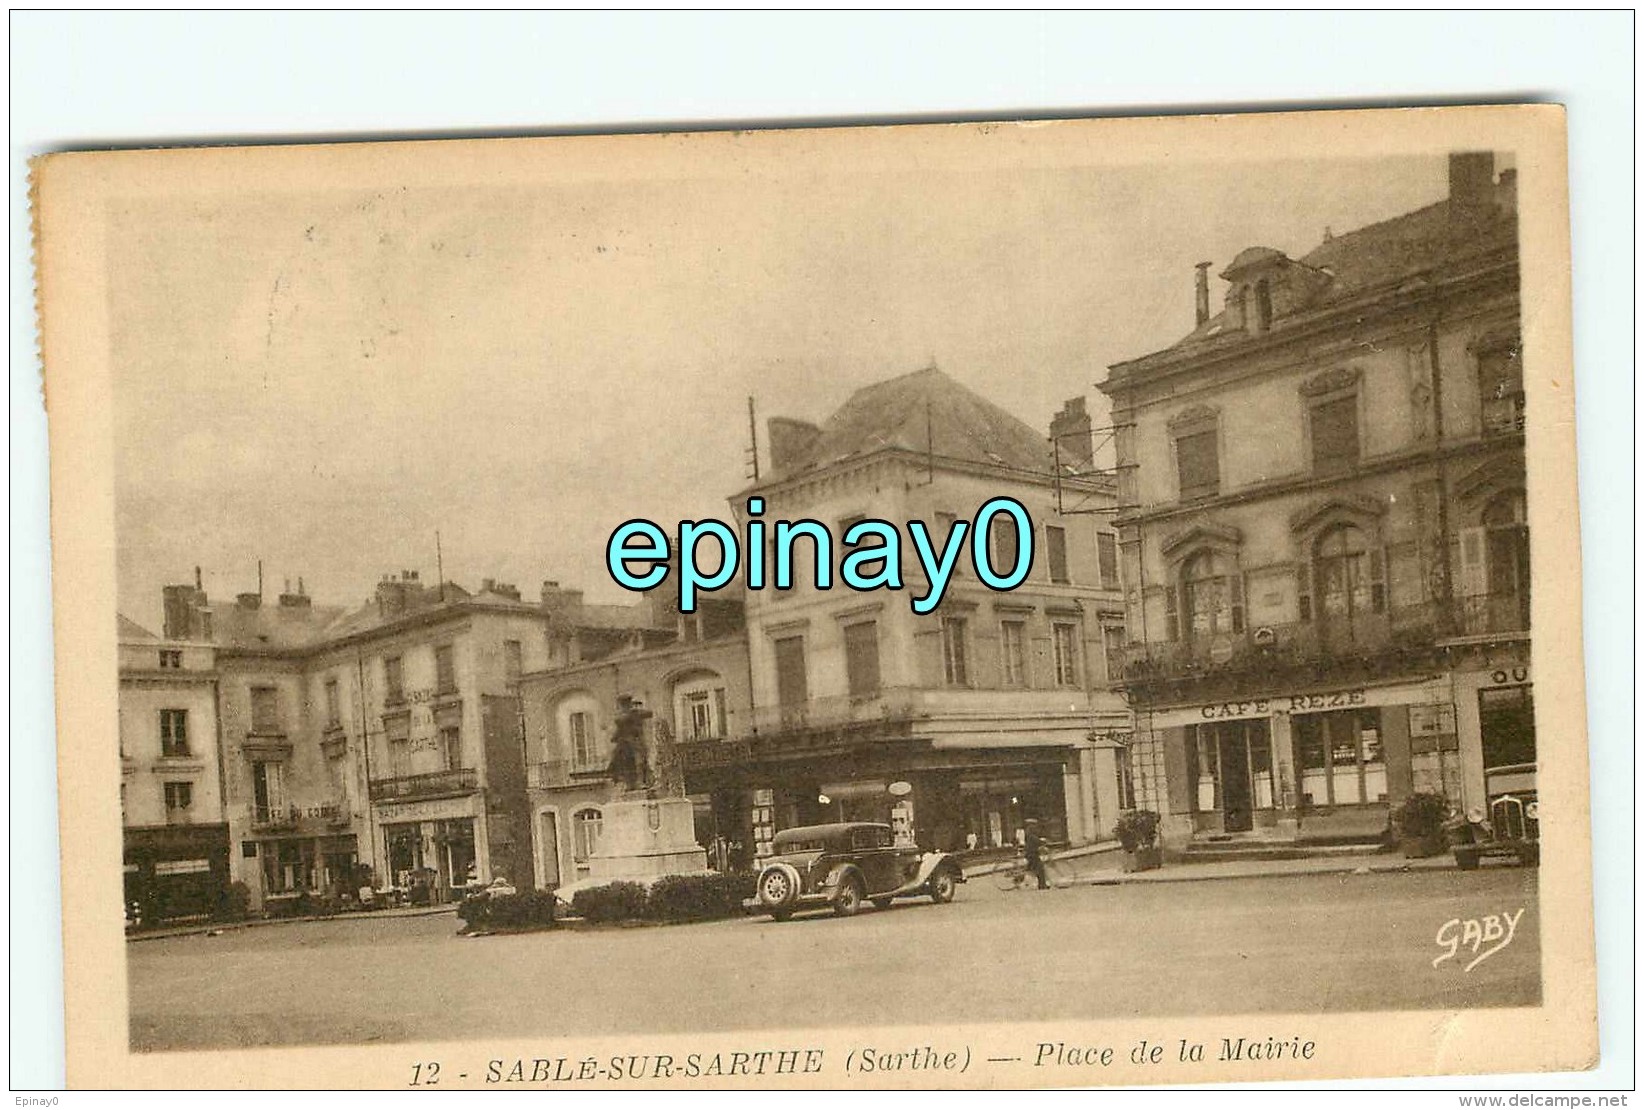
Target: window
445	670
1198	472
1212	597
265	710
791	685
1002	529
513	661
333	703
399	746
1012	652
584	750
1113	651
267	791
1264	306
699	707
697	720
393	680
1107	558
171	660
944	529
451	746
1335	432
1065	647
862	658
336	773
585	829
179	795
1347	577
1501	390
955	667
1339	757
174	732
1126	782
1056	552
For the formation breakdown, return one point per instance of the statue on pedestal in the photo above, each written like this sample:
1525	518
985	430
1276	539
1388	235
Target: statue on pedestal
630	765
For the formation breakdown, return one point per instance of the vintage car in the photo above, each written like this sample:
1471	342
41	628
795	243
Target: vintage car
841	866
1511	828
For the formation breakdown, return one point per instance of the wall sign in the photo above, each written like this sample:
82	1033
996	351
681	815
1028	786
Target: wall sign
1292	703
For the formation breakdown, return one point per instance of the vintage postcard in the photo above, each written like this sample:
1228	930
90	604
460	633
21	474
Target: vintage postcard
1078	603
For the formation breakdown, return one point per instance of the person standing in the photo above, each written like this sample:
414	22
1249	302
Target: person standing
1033	848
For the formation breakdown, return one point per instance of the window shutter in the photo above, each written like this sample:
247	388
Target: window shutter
1236	590
1473	580
1304	595
1172	625
723	726
1378	580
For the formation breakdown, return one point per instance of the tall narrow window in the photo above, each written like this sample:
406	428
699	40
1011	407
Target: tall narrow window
1507	555
1212	597
1198	472
1347	579
393	680
1113	651
1003	544
399	746
1501	390
944	528
1012	652
513	662
179	796
955	665
267	791
445	670
1335	431
792	688
862	658
585	829
1065	644
1056	552
451	746
333	703
1264	306
174	732
583	753
265	710
1107	558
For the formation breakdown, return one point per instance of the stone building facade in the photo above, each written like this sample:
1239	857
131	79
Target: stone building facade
1323	530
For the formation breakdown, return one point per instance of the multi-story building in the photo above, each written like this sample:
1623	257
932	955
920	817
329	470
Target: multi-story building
386	736
689	671
957	726
1323	529
171	797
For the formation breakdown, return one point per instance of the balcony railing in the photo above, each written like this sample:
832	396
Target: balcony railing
274	817
463	780
891	704
1331	637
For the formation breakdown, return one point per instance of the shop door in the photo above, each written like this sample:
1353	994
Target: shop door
1235	768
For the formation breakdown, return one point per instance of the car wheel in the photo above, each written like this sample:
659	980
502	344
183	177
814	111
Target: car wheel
942	887
882	903
1467	861
778	888
849	898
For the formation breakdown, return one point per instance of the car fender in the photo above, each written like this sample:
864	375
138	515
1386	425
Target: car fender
838	875
929	864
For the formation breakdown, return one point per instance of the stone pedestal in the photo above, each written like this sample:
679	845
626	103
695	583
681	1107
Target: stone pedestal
647	838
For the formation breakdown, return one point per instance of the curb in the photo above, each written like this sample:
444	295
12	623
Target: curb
1175	875
216	928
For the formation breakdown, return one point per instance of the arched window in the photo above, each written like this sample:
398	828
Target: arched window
1212	596
585	829
1347	578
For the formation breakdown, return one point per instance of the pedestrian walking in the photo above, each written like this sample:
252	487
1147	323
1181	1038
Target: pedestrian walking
1033	848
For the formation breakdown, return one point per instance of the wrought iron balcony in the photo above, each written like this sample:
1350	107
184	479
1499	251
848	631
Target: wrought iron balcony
439	784
838	711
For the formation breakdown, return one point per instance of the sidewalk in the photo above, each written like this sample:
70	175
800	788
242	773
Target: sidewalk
211	928
1101	865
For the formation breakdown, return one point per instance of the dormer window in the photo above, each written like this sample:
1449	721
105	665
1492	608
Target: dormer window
1264	307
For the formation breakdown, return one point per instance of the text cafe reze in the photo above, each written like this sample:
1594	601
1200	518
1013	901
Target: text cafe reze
1295	703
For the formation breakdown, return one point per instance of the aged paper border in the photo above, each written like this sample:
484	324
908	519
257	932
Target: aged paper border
69	192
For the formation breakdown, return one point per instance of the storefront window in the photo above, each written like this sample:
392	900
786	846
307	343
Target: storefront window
1507	725
1340	757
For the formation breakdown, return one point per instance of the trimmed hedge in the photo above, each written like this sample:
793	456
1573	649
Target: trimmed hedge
529	909
698	897
671	898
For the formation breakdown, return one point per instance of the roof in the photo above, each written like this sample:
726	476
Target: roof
131	630
271	626
825	832
1367	257
926	411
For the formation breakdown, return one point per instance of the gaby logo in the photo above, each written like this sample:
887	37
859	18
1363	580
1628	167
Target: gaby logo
1475	933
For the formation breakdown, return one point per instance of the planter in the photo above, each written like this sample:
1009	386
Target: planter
1421	847
1143	859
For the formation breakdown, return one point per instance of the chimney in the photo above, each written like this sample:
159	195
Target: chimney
556	599
1201	294
298	600
1070	428
789	441
1472	174
249	601
390	596
186	614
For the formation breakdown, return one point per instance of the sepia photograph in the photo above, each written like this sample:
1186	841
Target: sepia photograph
802	607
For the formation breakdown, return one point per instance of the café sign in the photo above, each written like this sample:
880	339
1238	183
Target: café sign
1292	703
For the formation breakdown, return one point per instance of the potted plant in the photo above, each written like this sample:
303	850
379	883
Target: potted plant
1138	834
1419	821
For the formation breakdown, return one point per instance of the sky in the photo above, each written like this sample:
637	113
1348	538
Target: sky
323	379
